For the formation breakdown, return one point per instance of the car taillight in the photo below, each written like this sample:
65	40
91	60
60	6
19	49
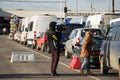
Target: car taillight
34	34
77	41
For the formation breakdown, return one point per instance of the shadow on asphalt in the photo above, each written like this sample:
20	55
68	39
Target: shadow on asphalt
6	76
106	75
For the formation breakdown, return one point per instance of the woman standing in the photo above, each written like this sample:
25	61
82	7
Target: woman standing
86	50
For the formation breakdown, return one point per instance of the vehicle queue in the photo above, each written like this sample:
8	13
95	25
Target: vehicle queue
32	30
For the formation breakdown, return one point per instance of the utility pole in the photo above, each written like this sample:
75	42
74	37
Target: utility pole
76	6
113	4
65	11
91	6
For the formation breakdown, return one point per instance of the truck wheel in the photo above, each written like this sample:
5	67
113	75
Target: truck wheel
102	67
67	54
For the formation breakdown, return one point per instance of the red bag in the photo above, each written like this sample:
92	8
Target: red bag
75	63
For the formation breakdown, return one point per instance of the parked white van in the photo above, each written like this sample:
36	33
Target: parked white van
100	20
79	19
115	22
24	30
17	35
38	24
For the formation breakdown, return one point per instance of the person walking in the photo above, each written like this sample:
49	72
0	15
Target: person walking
54	46
86	51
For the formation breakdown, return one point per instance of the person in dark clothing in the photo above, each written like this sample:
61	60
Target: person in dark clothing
54	46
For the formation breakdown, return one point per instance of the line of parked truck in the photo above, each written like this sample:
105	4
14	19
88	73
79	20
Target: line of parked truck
31	32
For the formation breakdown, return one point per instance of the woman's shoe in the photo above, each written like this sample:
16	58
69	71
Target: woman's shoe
89	72
81	72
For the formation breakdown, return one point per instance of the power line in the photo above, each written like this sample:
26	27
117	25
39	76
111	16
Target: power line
33	1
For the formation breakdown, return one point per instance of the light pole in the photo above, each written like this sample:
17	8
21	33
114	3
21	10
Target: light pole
76	6
91	6
65	12
109	5
113	6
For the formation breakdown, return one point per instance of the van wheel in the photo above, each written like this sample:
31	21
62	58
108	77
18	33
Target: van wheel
25	43
43	47
102	68
33	46
38	48
67	54
48	49
21	42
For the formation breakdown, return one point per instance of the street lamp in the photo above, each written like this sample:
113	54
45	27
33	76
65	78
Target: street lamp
109	5
65	11
91	6
76	6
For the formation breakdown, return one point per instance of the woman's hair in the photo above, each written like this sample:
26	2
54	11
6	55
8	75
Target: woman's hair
91	31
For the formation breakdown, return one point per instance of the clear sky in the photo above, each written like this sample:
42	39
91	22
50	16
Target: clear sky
71	4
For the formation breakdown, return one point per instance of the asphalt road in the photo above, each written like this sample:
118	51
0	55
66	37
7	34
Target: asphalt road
40	69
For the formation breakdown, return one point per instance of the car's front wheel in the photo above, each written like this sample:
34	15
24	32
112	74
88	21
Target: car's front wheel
102	67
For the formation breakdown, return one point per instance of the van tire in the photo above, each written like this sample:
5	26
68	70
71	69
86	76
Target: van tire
33	46
102	68
43	47
67	54
25	43
38	48
48	49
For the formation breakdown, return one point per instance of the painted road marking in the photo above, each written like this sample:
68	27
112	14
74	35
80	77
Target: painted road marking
95	78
